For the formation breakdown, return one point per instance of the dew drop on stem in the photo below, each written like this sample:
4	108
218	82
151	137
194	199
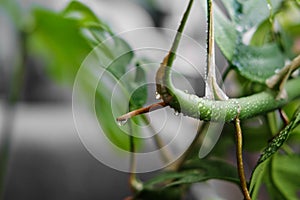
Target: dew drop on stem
157	96
122	122
176	113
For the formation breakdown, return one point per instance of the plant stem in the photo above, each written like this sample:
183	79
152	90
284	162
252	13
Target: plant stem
172	53
169	59
9	110
239	156
212	88
134	183
140	111
178	164
282	76
166	156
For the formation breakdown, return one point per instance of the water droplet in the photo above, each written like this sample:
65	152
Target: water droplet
269	6
186	91
277	71
157	96
122	122
176	113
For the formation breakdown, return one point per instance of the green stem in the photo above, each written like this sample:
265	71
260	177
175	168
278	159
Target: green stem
172	53
213	91
178	164
135	184
226	110
166	155
169	59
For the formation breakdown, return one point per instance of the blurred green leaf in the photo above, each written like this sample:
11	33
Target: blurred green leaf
59	41
171	193
13	10
81	13
279	139
286	175
66	38
139	95
255	129
103	108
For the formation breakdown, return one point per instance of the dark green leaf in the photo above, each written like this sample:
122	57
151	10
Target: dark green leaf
196	171
171	193
279	139
211	169
258	63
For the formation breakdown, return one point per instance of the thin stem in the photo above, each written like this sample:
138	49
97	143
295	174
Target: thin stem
140	111
212	88
134	183
283	116
282	76
9	112
169	59
178	164
172	54
165	154
239	156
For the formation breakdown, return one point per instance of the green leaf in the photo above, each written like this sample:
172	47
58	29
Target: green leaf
196	171
212	169
258	63
103	108
225	34
255	129
59	41
139	86
79	12
257	179
254	12
13	10
286	175
171	193
263	34
279	139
